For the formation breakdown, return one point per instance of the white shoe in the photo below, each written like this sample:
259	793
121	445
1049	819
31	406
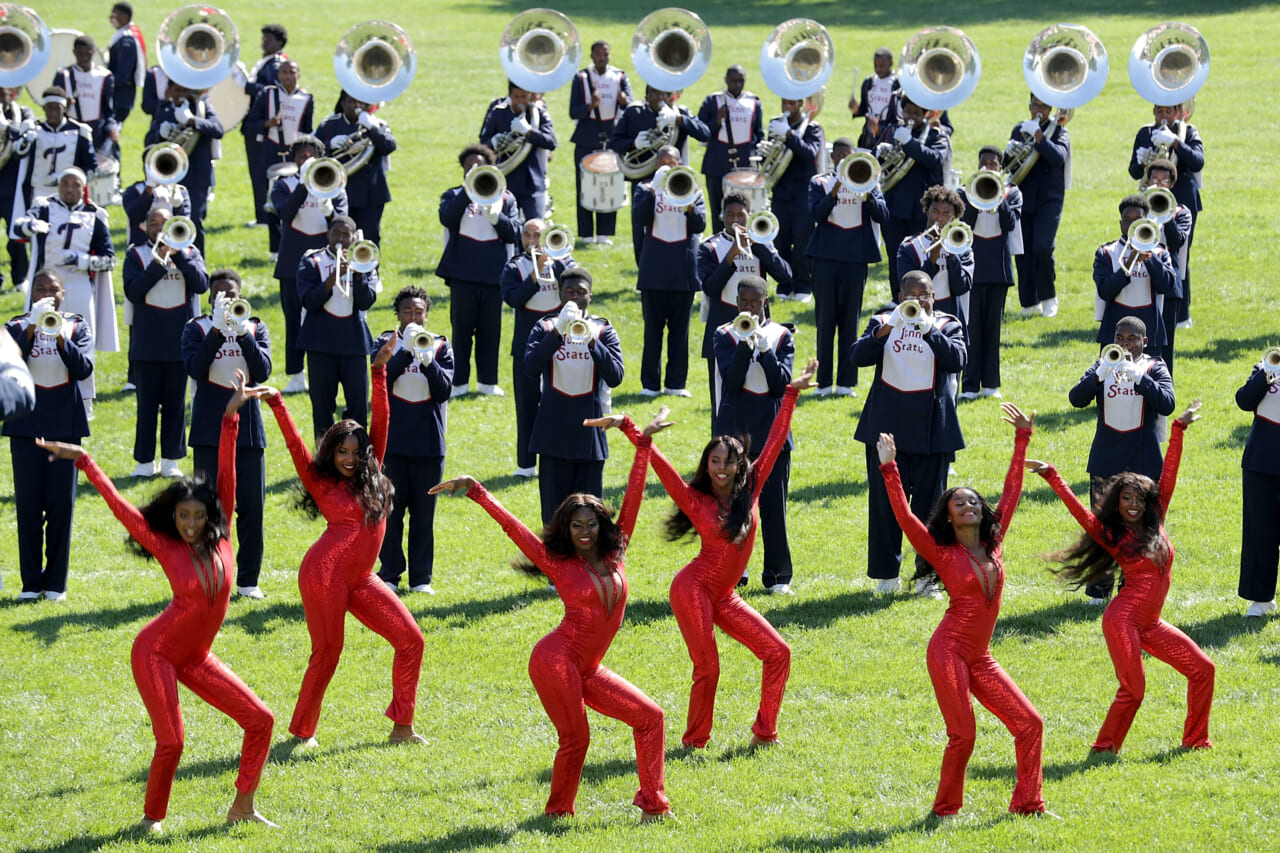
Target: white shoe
676	392
50	595
250	592
992	392
1030	311
253	223
1049	307
527	473
926	588
395	590
297	384
782	297
422	587
1260	608
966	396
170	467
1185	324
824	391
490	390
273	257
780	589
144	469
128	388
28	596
461	390
646	392
1097	602
889	586
845	391
604	241
951	470
804	298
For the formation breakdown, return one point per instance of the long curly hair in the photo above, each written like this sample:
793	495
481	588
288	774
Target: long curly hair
944	533
1086	562
159	514
368	485
610	539
737	522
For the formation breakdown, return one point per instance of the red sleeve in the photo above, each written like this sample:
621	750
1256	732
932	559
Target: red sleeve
381	415
293	440
1172	459
917	533
635	481
1012	482
1086	518
777	438
120	508
227	465
524	538
685	497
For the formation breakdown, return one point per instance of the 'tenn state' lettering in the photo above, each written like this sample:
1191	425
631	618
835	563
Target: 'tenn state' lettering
1121	391
228	352
38	350
566	354
661	206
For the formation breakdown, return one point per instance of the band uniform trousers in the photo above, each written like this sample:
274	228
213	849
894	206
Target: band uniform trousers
199	210
773	521
294	358
837	303
1036	272
590	222
325	372
715	200
19	263
527	391
44	494
558	478
986	315
251	493
665	311
475	312
412	476
795	227
1173	307
257	177
161	390
924	478
369	221
1184	305
1259	535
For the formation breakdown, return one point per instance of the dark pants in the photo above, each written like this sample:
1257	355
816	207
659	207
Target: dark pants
715	199
711	387
590	222
527	391
162	390
199	210
369	221
1037	275
837	301
924	478
637	230
665	311
795	228
893	231
324	373
773	522
558	478
291	305
18	262
257	176
251	494
44	495
1172	308
412	476
273	233
1184	307
1259	535
475	310
986	312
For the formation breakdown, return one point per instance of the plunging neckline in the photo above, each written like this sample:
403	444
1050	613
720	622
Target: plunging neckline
607	601
987	583
208	572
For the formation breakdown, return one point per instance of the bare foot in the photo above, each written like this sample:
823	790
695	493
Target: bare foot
404	734
758	743
152	826
234	816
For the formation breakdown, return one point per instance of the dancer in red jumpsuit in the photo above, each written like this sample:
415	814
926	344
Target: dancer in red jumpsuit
961	542
1128	532
185	528
581	551
719	504
345	484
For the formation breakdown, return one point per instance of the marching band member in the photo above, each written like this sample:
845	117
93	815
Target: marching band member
952	274
215	346
1176	237
154	86
1125	532
184	528
525	116
1138	292
530	284
141	196
1171	131
60	143
722	265
598	95
997	237
640	128
81	250
17	123
581	552
752	371
280	114
419	381
126	60
264	73
304	226
90	89
877	101
478	243
577	373
162	284
1260	486
367	190
1129	397
734	121
333	332
926	150
1043	191
667	278
910	399
790	199
843	244
44	489
185	112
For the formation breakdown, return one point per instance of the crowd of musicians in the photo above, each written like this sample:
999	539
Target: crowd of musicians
790	214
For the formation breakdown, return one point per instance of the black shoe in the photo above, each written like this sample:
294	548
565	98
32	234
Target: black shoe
741	583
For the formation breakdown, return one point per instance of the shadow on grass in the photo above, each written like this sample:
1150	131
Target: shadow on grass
283	752
129	835
472	837
877	836
480	608
601	770
820	492
1222	629
1235	439
47	629
645	610
821	612
253	617
1041	623
1224	350
1059	770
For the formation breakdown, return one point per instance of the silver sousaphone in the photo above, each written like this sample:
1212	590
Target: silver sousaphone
540	51
374	62
198	46
25	48
1167	66
795	63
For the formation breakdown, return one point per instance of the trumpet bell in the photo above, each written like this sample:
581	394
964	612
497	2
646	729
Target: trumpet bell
1113	354
1169	63
1065	65
540	50
746	324
679	185
485	185
374	61
1271	358
579	331
364	256
671	49
422	342
239	310
25	45
1161	204
859	172
325	178
1144	235
179	233
940	67
763	227
910	310
198	46
557	242
166	163
797	59
49	322
957	238
985	189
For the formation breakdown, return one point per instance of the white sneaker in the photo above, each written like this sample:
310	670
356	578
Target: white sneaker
824	391
422	587
1049	307
803	298
461	390
273	257
250	592
992	392
646	392
604	241
527	473
966	396
145	469
394	589
889	586
951	470
491	390
1260	608
1030	311
253	223
845	391
50	595
128	388
926	588
782	297
170	467
780	589
297	384
1185	324
676	392
1097	602
28	596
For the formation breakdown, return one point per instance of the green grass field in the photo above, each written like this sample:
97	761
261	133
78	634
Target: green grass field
861	732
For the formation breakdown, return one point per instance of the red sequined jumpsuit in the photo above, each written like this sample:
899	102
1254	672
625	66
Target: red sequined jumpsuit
702	595
337	576
565	664
1132	623
959	656
173	648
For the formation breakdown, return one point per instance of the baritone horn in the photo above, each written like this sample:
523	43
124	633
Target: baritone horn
363	256
679	185
178	233
325	177
557	242
166	163
859	172
763	226
1161	204
198	46
986	189
485	185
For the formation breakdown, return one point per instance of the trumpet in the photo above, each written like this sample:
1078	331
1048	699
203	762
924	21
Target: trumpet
341	278
364	256
986	189
557	242
166	163
237	311
1113	355
859	172
178	233
579	331
955	238
1161	204
49	323
1271	359
911	311
485	185
324	177
745	325
742	239
423	346
679	185
763	227
1144	237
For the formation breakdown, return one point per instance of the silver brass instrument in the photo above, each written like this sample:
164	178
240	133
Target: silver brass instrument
166	163
540	51
374	62
485	185
324	177
277	172
1161	204
763	227
679	185
198	46
795	63
955	238
893	160
910	311
1169	63
238	310
579	331
746	325
364	256
423	346
986	189
1114	354
25	48
557	242
178	233
742	239
859	172
1144	237
49	323
1271	364
939	68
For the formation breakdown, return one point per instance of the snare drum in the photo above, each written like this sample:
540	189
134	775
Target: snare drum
750	183
604	189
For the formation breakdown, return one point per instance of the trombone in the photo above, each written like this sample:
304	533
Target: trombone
1161	204
1144	237
324	177
763	227
746	327
955	238
178	233
423	345
166	163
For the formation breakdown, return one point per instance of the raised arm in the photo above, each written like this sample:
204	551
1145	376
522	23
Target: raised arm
1173	456
1013	477
292	439
524	538
381	412
1086	519
226	485
777	438
635	480
126	512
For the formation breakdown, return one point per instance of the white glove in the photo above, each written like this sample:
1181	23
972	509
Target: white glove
902	135
338	141
779	127
895	319
762	343
38	226
39	307
326	207
219	312
520	126
167	129
1126	372
1163	136
1011	147
1029	127
667	118
493	212
182	114
364	119
410	332
928	322
567	315
27	126
1143	154
642	139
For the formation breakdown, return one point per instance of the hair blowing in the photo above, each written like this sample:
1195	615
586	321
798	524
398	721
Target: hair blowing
1086	561
556	535
368	485
737	521
159	514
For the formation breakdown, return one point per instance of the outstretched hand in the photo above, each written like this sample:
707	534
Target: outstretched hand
388	350
61	449
1035	466
243	394
1013	415
462	483
659	422
886	448
805	379
606	422
1189	417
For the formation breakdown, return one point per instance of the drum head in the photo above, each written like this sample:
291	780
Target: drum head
746	179
229	102
62	53
601	162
